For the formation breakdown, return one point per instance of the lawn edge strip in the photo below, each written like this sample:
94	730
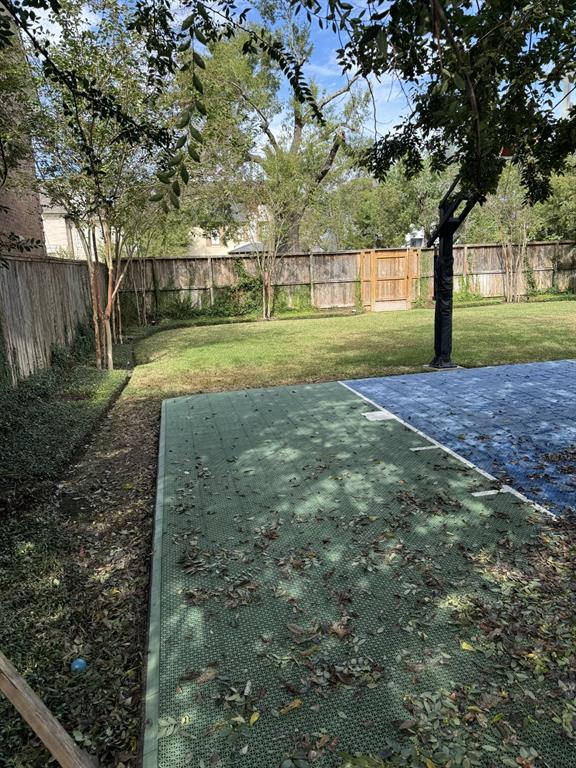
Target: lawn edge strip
152	685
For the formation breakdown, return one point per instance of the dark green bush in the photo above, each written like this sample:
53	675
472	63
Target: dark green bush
46	417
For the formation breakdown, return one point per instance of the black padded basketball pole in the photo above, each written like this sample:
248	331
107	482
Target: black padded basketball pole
450	219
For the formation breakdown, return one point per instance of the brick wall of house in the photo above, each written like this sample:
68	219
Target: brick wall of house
20	210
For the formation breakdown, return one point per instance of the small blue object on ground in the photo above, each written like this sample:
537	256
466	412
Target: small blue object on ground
78	666
517	422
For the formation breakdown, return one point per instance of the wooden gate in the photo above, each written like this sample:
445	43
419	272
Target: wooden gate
386	277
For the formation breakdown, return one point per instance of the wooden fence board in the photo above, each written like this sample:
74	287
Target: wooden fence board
42	303
477	267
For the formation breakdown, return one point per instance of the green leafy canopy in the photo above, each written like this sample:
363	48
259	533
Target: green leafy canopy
480	77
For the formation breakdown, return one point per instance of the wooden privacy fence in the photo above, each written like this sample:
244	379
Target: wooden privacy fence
373	279
42	303
480	269
44	300
326	279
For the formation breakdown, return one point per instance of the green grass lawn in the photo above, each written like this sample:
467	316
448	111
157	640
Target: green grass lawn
200	359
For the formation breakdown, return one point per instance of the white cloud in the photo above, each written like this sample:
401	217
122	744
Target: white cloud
323	71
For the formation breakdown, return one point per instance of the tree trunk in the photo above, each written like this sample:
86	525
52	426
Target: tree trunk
293	238
290	239
270	297
119	320
507	258
144	294
266	292
97	309
102	339
114	328
109	360
92	277
137	300
106	324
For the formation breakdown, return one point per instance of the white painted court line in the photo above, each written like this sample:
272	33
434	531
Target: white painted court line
437	444
382	415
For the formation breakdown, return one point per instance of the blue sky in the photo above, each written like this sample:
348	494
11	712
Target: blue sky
389	98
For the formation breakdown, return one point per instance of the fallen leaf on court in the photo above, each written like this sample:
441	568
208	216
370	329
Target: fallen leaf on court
466	646
341	628
294	704
166	727
254	717
206	675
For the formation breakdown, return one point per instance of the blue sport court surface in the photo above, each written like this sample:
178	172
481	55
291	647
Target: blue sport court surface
516	422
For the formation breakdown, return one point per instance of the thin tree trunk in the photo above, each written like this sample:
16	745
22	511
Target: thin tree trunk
136	293
108	335
102	338
93	293
144	296
270	296
114	329
107	234
120	337
265	307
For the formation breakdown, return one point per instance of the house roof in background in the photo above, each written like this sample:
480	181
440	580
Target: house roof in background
247	248
259	247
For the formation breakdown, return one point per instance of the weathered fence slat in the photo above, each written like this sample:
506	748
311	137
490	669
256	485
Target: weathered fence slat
42	303
56	740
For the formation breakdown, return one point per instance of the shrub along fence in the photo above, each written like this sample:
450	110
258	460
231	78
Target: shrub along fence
188	285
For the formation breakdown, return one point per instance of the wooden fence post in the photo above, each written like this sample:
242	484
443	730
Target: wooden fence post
211	283
311	257
56	740
155	286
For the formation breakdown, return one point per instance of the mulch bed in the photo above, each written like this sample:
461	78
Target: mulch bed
74	571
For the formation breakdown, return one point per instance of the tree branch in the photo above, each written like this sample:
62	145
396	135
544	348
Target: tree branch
329	162
298	128
264	122
340	92
471	93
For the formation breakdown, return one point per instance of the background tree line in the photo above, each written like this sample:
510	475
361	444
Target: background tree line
243	147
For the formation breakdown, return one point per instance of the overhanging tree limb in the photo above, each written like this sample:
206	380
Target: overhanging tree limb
322	103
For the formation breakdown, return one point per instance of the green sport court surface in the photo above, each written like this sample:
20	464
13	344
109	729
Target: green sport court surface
308	563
